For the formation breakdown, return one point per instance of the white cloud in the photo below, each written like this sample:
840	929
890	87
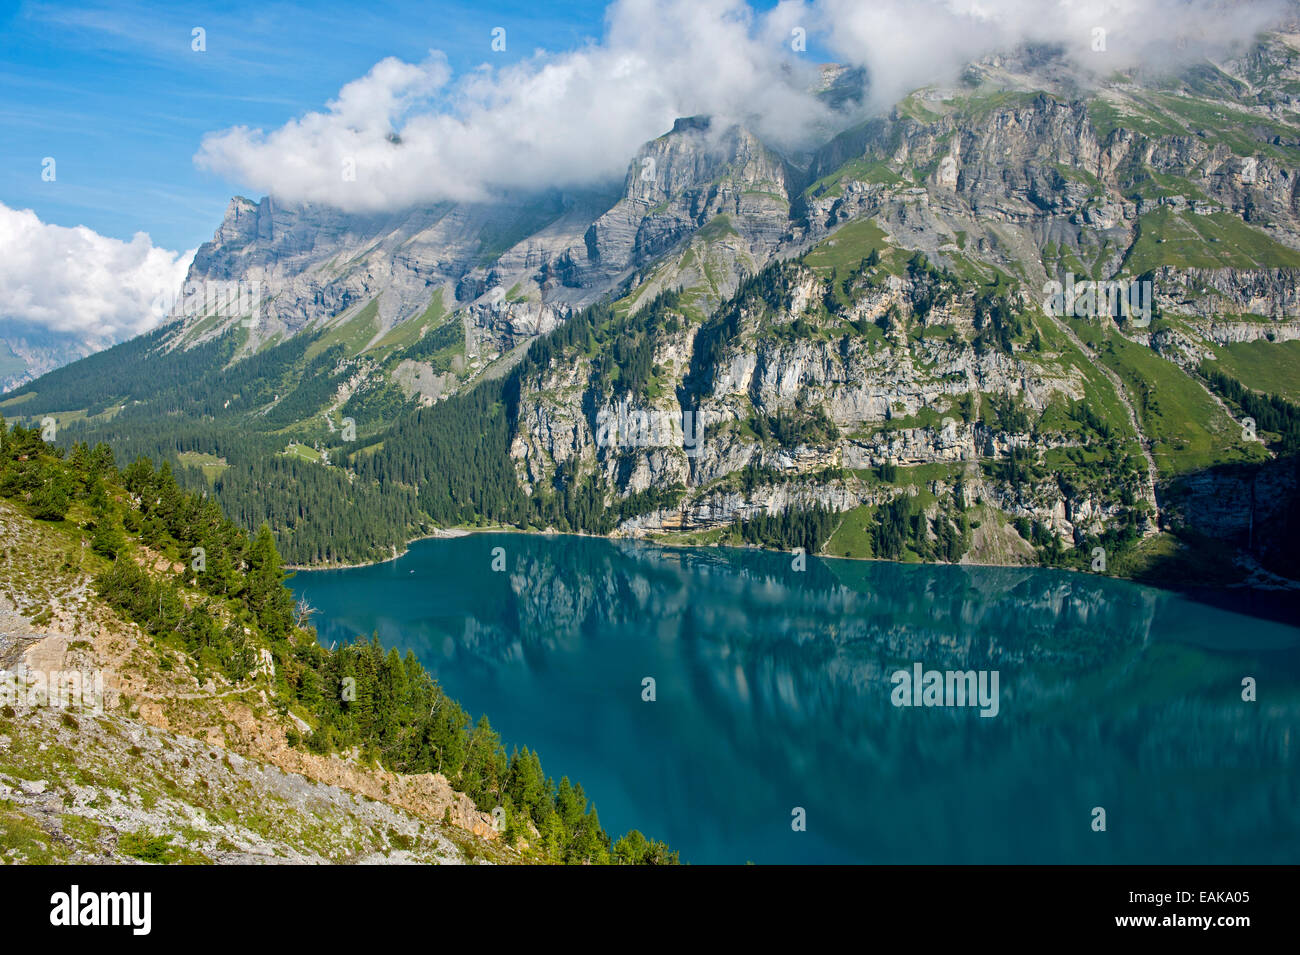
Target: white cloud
76	281
552	120
412	133
911	43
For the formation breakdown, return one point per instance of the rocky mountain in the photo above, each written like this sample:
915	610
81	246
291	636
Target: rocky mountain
1026	318
518	263
28	351
509	270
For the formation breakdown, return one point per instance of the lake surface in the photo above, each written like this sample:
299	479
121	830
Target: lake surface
773	692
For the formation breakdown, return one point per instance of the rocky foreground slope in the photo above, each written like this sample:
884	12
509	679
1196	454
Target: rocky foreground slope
151	765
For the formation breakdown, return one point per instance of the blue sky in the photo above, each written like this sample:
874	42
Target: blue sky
114	93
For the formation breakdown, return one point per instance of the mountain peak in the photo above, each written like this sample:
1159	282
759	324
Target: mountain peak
684	124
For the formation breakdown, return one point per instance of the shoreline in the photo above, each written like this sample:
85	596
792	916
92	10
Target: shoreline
1191	588
440	533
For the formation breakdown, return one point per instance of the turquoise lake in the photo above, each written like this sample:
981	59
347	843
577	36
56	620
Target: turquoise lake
774	692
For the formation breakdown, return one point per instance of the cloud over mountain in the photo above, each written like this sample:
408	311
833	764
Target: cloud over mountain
413	133
911	43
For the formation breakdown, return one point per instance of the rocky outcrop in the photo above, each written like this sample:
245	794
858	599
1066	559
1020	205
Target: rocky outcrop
842	405
1209	295
678	184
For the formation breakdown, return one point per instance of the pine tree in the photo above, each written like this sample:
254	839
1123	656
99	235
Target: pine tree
52	497
108	539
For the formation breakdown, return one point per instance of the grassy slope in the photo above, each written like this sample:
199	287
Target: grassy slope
354	334
1212	241
408	333
1271	367
1189	430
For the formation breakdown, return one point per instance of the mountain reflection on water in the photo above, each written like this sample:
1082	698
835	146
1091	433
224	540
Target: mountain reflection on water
773	692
